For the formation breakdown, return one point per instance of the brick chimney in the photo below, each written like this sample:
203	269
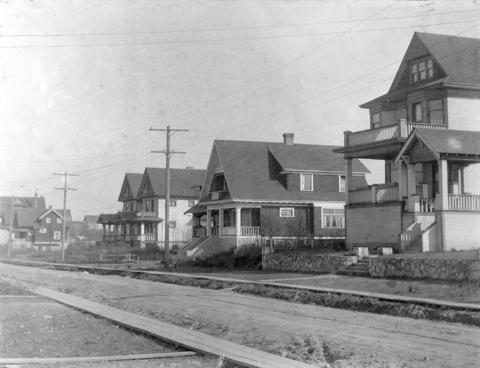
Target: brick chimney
288	139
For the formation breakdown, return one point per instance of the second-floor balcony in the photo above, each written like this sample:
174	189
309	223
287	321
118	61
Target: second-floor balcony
383	141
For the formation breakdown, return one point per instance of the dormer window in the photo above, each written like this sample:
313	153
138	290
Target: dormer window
421	70
306	182
376	120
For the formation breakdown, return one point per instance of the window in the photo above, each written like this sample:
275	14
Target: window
341	184
43	230
287	212
172	224
147	205
435	112
229	217
333	218
173	203
306	182
59	221
152	204
191	203
417	112
57	235
376	120
421	70
48	220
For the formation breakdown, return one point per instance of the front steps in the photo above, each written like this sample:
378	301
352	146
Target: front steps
357	269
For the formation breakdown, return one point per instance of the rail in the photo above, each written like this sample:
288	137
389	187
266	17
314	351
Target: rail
250	230
377	193
402	129
464	202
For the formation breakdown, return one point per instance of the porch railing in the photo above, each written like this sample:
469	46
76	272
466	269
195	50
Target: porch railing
250	230
464	202
215	231
398	130
377	193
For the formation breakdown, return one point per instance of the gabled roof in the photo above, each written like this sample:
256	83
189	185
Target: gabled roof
19	202
457	58
445	142
26	217
130	186
251	169
309	157
91	219
183	182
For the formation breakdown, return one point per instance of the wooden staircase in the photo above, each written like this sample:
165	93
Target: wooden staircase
357	269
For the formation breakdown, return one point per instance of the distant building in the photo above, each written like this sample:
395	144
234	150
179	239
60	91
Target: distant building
39	228
426	130
143	208
269	189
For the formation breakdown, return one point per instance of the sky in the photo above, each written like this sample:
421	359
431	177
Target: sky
81	82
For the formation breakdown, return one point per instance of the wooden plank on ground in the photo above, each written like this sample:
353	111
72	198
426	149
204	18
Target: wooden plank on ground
389	297
110	358
194	340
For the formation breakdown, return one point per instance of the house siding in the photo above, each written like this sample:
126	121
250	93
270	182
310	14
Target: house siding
463	109
51	228
274	225
373	225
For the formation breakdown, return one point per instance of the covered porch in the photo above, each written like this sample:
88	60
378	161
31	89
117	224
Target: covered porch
228	221
129	228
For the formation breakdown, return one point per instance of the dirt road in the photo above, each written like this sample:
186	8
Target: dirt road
331	337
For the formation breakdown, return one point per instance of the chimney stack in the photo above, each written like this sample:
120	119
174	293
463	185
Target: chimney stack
288	139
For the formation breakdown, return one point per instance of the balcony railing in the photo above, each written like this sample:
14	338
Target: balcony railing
464	202
377	193
398	130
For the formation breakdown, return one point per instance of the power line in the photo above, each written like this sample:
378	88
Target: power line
221	29
232	39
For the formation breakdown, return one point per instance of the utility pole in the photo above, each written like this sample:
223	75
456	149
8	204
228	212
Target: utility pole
10	227
167	152
64	223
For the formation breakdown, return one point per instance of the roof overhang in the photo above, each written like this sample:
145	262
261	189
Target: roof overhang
376	150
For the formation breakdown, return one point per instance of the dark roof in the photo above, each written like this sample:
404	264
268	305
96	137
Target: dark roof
69	214
90	218
461	142
26	217
309	157
250	174
119	217
131	181
19	202
134	181
183	182
458	58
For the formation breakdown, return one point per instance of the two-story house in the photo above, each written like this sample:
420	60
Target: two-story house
39	228
270	189
143	208
425	129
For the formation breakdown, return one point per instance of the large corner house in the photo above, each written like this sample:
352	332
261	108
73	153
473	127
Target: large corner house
426	130
278	190
140	221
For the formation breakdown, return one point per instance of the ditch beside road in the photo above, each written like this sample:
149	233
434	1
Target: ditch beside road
329	337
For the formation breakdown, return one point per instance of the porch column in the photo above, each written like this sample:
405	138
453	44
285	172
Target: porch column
441	202
401	186
411	185
209	222
238	217
220	221
348	178
142	228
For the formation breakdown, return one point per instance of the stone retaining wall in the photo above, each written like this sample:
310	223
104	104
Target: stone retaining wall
321	263
425	268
